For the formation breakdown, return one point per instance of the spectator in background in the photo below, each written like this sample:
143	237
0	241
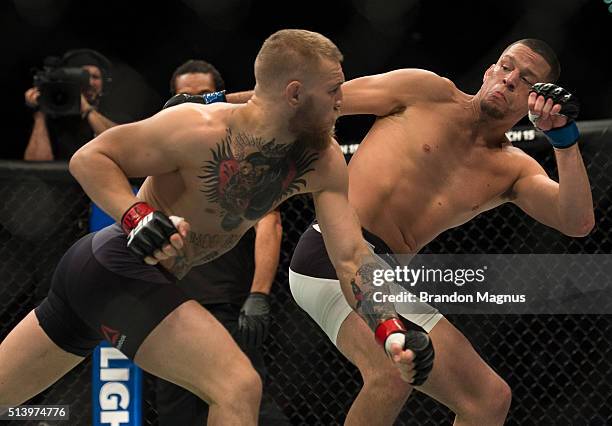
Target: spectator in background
57	137
234	288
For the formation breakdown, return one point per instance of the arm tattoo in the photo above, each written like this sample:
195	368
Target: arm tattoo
248	175
180	267
363	289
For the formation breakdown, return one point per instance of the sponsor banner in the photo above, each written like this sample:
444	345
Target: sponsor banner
117	388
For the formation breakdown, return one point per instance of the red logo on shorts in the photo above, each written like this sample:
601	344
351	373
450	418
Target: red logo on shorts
110	334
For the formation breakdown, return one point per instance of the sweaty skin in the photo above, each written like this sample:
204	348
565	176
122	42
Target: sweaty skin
434	174
437	157
228	179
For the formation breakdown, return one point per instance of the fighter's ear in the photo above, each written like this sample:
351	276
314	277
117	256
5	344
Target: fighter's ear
488	73
293	92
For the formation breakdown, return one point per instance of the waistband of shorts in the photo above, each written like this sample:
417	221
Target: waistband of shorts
378	244
114	234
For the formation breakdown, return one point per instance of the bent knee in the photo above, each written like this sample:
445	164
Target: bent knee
491	403
502	397
243	385
249	384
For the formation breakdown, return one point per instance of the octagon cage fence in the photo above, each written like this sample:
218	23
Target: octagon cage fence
558	366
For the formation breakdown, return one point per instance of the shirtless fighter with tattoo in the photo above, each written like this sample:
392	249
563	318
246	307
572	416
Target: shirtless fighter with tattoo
435	158
213	171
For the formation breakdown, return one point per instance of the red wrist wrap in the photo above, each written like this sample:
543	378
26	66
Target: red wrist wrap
386	328
134	214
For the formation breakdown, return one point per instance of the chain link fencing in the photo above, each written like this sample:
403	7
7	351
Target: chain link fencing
558	366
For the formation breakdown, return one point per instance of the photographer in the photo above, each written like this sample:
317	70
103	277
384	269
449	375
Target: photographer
63	122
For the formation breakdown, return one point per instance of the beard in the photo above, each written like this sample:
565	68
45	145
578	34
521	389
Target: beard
308	128
491	110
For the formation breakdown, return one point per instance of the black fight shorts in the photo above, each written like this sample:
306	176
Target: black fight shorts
102	291
310	256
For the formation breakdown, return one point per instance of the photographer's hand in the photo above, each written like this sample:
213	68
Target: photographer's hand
86	107
96	120
39	145
31	97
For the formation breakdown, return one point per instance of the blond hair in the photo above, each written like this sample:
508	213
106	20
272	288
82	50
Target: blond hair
287	54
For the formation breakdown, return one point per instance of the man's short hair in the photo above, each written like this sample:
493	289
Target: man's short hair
286	53
196	66
545	51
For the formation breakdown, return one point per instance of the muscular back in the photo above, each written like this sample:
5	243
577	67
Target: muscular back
424	169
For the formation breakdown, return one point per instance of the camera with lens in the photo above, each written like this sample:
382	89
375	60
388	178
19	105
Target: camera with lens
60	88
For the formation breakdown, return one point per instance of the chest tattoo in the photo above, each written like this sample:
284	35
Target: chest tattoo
247	180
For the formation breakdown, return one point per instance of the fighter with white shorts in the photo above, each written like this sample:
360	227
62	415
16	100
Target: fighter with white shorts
435	158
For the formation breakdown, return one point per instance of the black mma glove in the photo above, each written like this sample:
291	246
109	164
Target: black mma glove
389	331
206	98
148	229
254	319
561	137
